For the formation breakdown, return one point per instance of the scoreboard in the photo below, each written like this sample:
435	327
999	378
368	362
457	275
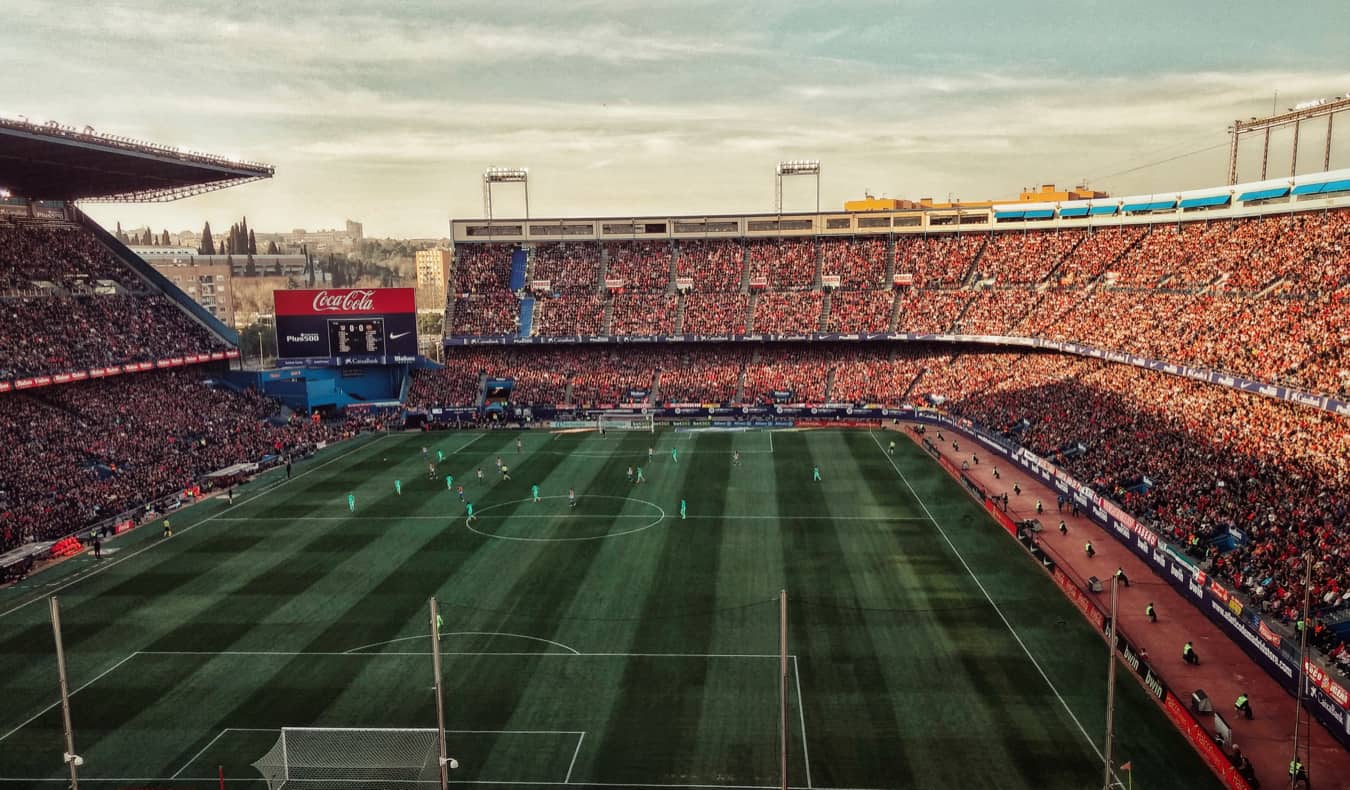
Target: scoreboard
346	326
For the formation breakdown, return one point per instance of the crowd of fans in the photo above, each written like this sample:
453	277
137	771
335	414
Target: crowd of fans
57	253
715	313
68	304
1025	258
786	264
482	267
787	313
568	268
859	263
643	314
641	265
577	314
493	312
716	265
941	261
860	311
77	454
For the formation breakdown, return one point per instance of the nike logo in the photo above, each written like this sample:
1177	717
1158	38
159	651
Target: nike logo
398	335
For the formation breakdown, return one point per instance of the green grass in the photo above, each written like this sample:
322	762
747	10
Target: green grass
611	644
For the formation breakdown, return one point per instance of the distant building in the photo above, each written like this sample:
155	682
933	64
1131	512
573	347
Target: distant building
433	268
208	283
1047	194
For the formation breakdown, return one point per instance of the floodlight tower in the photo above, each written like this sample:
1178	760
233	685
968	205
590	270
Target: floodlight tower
795	167
505	175
1295	116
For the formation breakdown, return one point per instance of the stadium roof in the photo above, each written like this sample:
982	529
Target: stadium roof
54	162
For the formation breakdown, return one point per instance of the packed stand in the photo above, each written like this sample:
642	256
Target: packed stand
482	268
643	314
641	265
80	453
56	253
859	263
713	265
940	261
787	313
577	314
568	268
715	313
860	311
489	313
785	264
1012	258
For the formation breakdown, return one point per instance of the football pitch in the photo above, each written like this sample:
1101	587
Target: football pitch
610	644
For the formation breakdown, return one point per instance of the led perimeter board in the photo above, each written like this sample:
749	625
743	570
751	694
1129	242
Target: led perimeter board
346	326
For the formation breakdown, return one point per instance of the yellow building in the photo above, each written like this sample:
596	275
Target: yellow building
433	277
1046	194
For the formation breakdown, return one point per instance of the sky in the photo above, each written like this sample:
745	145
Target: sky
388	112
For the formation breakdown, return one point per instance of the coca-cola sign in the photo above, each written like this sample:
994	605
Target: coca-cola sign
344	301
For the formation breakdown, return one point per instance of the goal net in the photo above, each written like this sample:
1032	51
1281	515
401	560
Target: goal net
625	421
310	757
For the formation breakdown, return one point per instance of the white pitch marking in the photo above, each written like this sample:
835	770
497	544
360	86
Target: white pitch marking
571	650
990	599
801	717
573	764
91	682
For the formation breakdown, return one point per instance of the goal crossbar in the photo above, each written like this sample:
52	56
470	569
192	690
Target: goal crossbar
625	421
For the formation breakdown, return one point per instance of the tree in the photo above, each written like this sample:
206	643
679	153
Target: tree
272	248
122	237
276	268
164	238
250	268
252	243
208	246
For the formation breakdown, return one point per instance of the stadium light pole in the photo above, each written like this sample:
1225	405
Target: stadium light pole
72	759
443	760
795	167
504	175
1110	687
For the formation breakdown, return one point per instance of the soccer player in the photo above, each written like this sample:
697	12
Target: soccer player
641	478
168	529
351	503
460	491
398	487
499	463
480	474
469	507
683	510
675	454
431	471
572	498
892	447
517	444
630	474
450	483
815	474
506	472
440	457
534	491
651	451
736	458
424	451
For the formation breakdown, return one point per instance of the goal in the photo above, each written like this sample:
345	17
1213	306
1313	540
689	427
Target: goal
625	421
306	757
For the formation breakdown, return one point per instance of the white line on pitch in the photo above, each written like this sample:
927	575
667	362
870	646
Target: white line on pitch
801	717
573	764
89	683
1091	744
443	652
568	648
200	753
190	527
509	783
456	516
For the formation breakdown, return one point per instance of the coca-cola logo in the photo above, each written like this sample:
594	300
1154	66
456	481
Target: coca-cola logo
344	301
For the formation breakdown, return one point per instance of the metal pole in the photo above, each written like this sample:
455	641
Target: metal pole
440	708
1326	152
1302	653
1265	153
1233	153
782	687
527	202
817	190
1110	686
1293	157
71	758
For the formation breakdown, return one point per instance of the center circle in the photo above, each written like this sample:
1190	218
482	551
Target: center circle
655	516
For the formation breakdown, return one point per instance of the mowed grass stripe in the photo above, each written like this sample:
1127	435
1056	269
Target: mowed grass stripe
838	660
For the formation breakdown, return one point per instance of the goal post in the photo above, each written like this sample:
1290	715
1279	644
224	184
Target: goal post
625	421
308	756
